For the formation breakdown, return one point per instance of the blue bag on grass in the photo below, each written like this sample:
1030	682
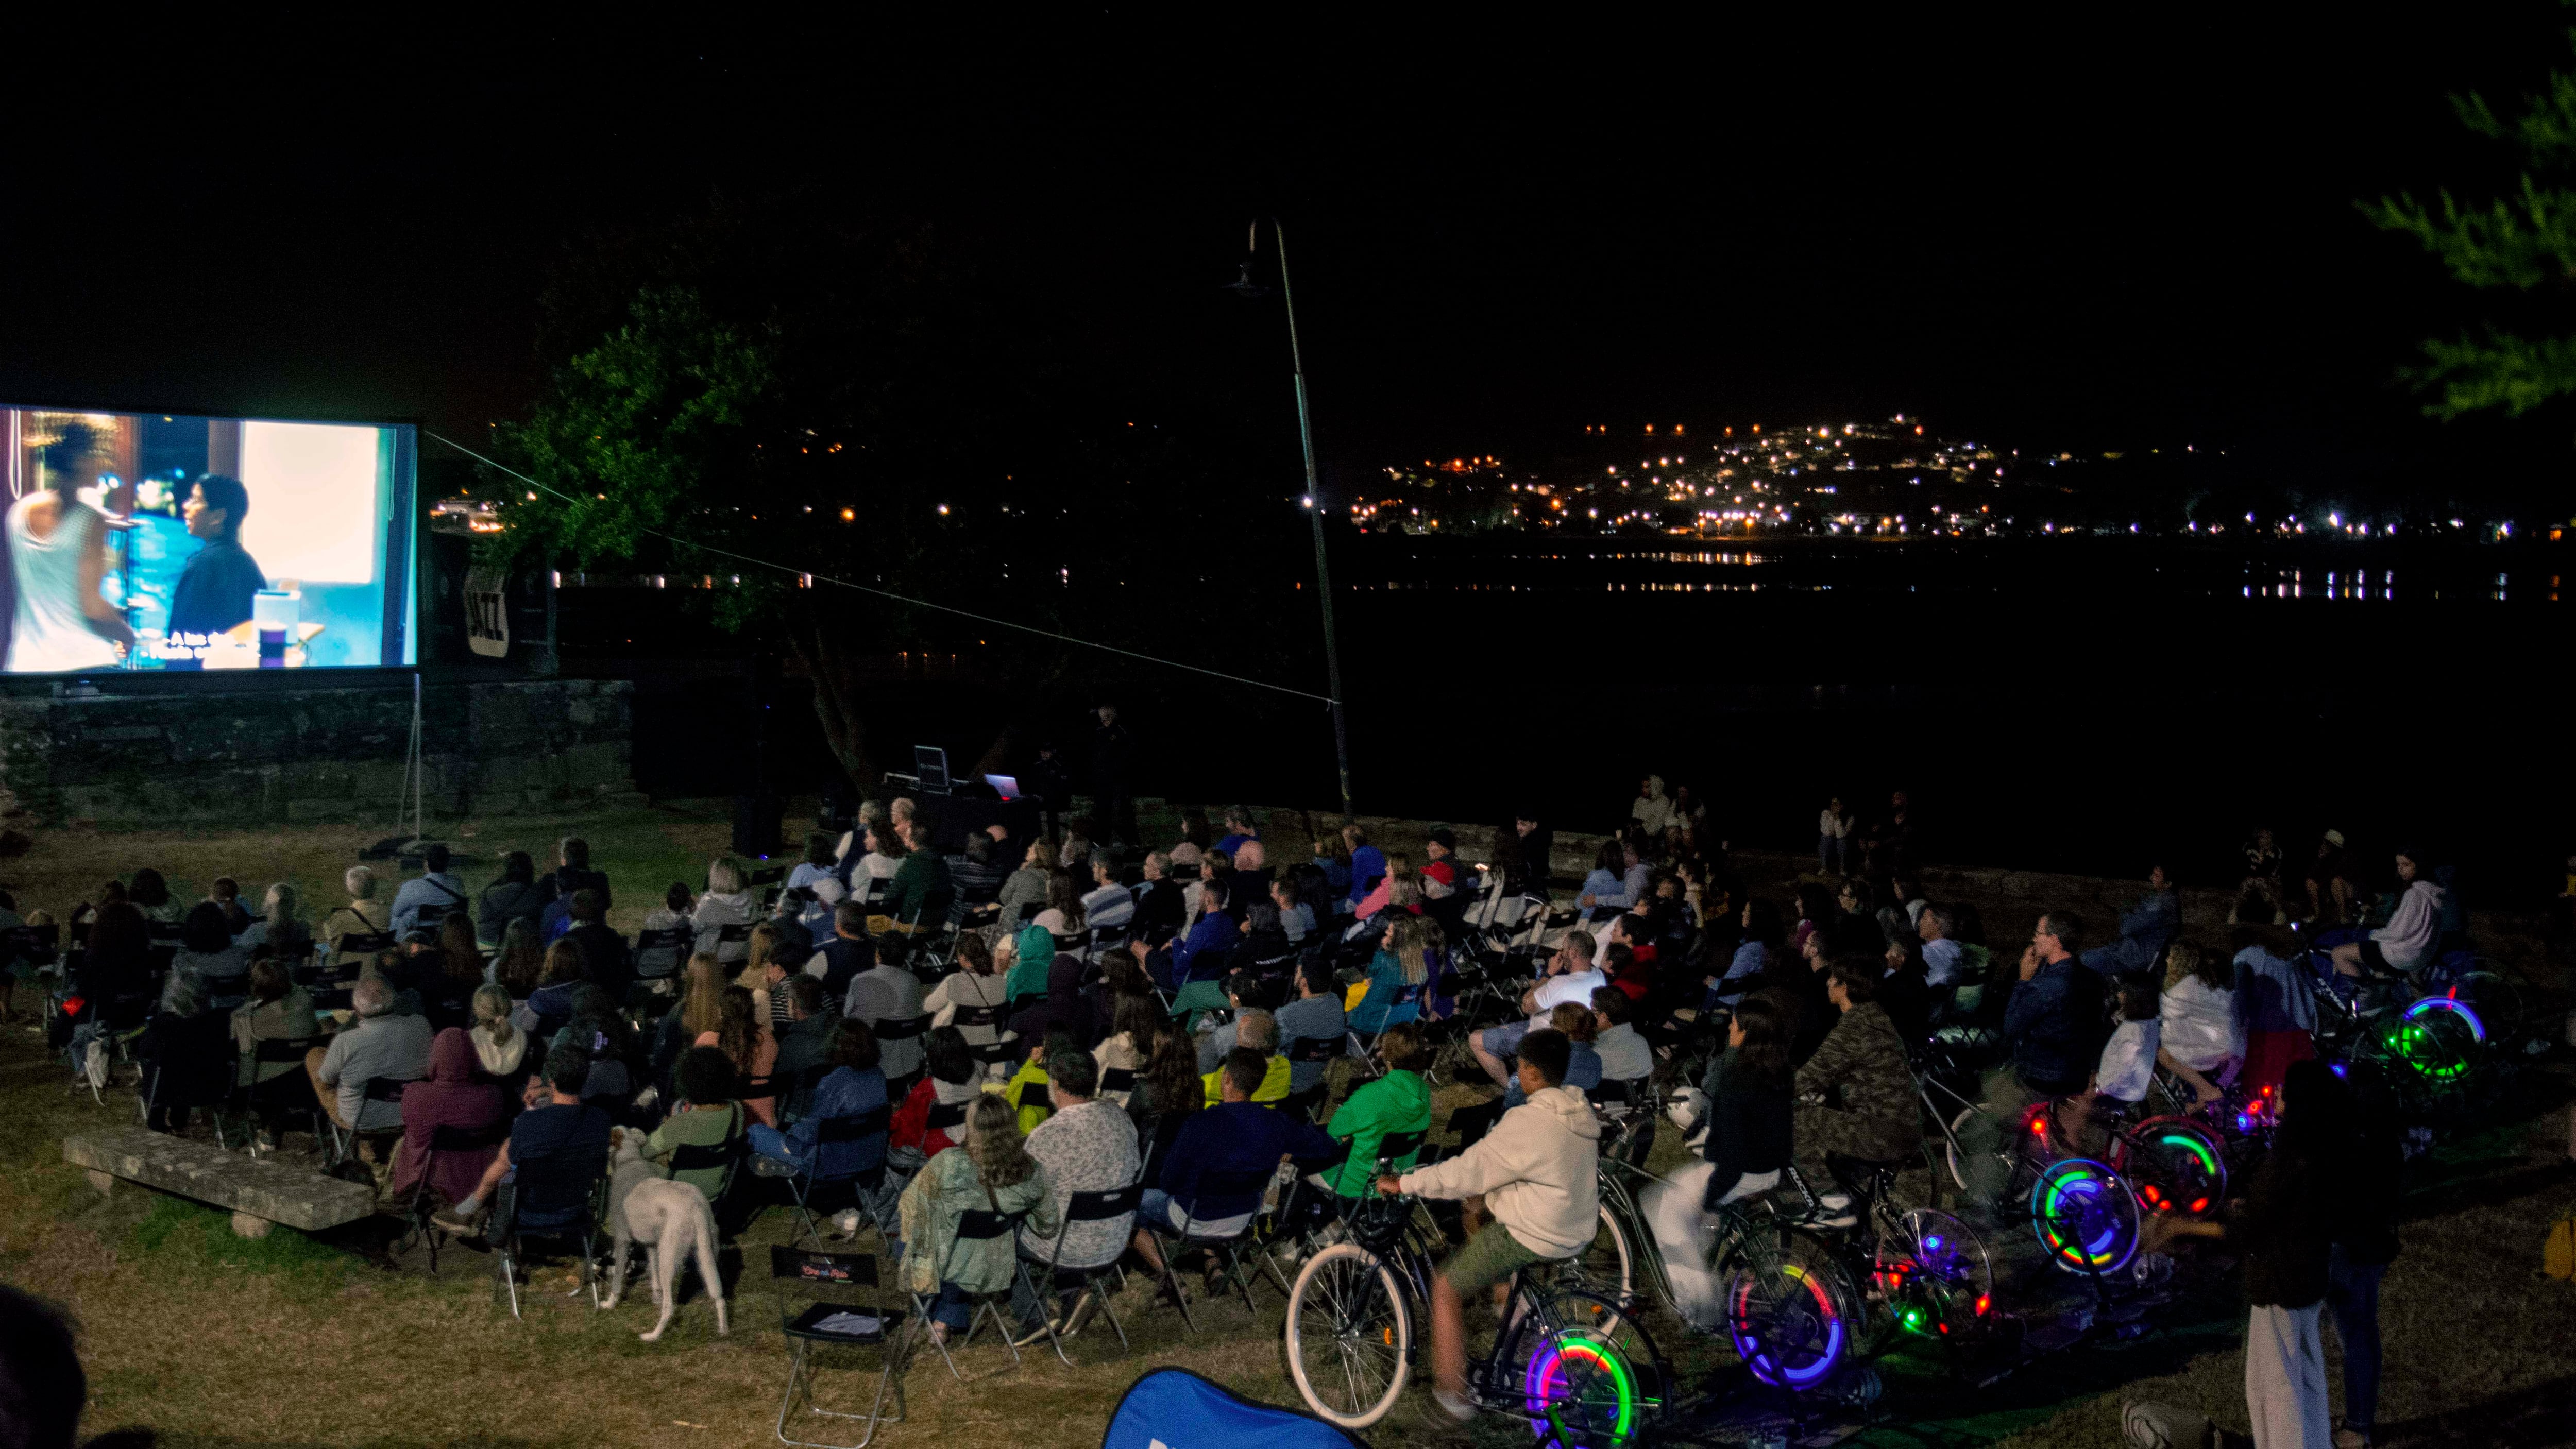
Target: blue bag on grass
1177	1409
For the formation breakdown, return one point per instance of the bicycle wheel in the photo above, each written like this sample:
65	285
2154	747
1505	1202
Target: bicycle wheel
1584	1371
2173	1164
1934	1272
1349	1339
1787	1311
2085	1216
2490	998
1609	1266
2436	1041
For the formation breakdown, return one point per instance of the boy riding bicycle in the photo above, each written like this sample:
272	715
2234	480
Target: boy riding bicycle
1536	1174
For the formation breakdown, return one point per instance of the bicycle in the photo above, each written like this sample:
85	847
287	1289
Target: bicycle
1577	1368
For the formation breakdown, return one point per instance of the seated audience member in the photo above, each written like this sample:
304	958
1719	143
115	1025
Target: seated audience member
1256	1032
2052	1025
431	894
808	1033
854	1088
1619	879
952	1078
1942	954
1129	1046
698	1017
560	1129
225	893
600	1028
2407	943
1367	865
1537	1171
888	993
764	973
918	900
1625	1055
500	1049
612	964
1026	1089
186	1056
278	1010
1902	993
1402	964
1241	990
1088	1145
1399	868
452	1095
2128	1066
281	930
516	896
1316	1015
360	917
993	1172
1751	1092
728	902
521	967
707	1114
1296	917
1232	1136
550	1005
572	873
1576	1023
2202	1039
1031	952
1855	1096
1398	1102
816	877
1239	830
209	960
973	986
744	1036
1159	901
2145	929
1023	893
846	952
448	974
1570	976
1207	952
2274	1001
1108	905
1760	945
150	894
377	1045
671	915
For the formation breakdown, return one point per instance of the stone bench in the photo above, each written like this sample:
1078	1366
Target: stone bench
260	1194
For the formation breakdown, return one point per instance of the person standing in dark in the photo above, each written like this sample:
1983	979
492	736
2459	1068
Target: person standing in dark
1050	783
214	590
1537	844
1113	755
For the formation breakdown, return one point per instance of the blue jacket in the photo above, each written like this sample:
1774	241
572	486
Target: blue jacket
1368	864
1238	1137
1386	978
2054	1023
2145	930
1227	846
1214	937
841	1095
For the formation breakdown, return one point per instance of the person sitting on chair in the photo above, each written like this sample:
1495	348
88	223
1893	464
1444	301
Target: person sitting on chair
1537	1174
993	1172
378	1045
1234	1136
560	1125
853	1089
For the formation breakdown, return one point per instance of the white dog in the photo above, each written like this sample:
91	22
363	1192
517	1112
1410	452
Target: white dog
671	1218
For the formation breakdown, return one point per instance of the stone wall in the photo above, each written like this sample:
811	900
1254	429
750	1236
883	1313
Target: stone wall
255	755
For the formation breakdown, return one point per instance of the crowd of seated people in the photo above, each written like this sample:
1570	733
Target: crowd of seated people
951	1034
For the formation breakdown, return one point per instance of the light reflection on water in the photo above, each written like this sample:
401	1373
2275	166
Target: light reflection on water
1795	573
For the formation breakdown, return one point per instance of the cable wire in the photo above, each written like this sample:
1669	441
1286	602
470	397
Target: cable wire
885	594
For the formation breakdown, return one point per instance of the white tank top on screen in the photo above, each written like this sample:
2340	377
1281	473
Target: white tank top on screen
52	632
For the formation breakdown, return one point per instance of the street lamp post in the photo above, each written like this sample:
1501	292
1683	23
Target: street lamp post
1314	506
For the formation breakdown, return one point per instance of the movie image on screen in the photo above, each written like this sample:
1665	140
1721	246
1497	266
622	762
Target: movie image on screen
162	541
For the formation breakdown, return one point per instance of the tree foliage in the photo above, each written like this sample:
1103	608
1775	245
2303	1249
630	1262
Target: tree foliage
2524	241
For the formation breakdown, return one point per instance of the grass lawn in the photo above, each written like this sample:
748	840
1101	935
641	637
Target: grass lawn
213	1340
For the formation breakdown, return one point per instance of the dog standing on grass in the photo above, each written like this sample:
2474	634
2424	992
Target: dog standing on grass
671	1218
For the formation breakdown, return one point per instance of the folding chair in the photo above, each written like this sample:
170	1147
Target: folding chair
1472	1123
832	1322
910	1028
344	1140
975	1225
287	1092
360	947
1245	1186
1312	1051
195	1069
864	1189
1121	1080
449	1140
1064	1277
659	955
727	937
555	1197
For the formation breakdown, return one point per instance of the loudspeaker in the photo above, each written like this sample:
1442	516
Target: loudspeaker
756	831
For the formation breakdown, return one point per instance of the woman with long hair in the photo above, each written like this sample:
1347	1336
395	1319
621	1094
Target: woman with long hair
1167	1092
514	896
499	1046
522	963
746	1041
974	986
1748	1091
699	1011
993	1172
952	1078
447	992
1401	962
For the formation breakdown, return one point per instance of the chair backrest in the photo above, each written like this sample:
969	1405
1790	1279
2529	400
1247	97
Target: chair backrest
1093	1207
870	1123
980	1016
557	1187
1472	1123
468	1139
1034	1096
945	1117
1310	1049
366	943
385	1089
1396	1145
1120	1079
1226	1189
821	1272
978	1224
733	935
276	1049
994	1053
901	1029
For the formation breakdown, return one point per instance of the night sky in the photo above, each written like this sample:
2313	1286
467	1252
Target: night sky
2103	236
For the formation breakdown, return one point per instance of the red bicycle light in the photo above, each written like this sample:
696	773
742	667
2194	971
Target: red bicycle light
1984	1301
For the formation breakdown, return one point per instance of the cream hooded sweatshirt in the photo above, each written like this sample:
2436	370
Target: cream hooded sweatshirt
1537	1172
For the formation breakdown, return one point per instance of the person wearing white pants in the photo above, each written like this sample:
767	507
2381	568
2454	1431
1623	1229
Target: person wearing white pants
2285	1378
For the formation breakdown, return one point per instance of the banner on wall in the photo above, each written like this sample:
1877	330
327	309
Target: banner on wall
487	616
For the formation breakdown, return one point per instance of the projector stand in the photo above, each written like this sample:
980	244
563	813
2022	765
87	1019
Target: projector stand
405	844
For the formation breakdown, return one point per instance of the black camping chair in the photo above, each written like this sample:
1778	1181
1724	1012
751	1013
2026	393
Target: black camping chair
1090	1278
975	1225
1192	1235
444	1141
829	1315
556	1197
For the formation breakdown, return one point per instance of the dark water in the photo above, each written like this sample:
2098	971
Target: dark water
2066	703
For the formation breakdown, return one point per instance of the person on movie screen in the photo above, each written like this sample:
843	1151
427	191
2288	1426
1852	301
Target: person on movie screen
215	589
57	553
